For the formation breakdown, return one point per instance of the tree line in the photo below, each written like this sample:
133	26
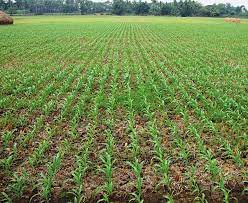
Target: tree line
122	7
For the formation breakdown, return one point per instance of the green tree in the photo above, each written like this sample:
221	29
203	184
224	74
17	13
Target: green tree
204	12
175	9
141	8
2	5
166	9
155	9
84	6
70	6
118	7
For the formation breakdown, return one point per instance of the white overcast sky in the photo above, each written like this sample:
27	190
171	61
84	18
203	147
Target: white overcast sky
206	2
233	2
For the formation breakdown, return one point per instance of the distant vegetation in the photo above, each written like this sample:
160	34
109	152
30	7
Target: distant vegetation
123	109
121	7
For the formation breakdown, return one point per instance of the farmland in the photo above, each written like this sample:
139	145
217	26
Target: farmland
115	109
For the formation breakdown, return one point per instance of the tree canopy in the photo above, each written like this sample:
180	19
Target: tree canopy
122	7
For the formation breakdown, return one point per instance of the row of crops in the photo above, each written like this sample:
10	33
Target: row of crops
115	112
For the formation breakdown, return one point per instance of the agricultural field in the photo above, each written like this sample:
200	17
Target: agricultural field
118	109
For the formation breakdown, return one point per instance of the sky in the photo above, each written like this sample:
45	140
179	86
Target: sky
208	2
233	2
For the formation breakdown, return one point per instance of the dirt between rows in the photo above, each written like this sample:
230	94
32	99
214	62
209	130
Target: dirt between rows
123	178
236	196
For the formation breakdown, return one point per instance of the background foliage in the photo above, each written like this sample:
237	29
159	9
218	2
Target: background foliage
121	7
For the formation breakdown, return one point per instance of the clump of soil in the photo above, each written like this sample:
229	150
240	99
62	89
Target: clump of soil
5	19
